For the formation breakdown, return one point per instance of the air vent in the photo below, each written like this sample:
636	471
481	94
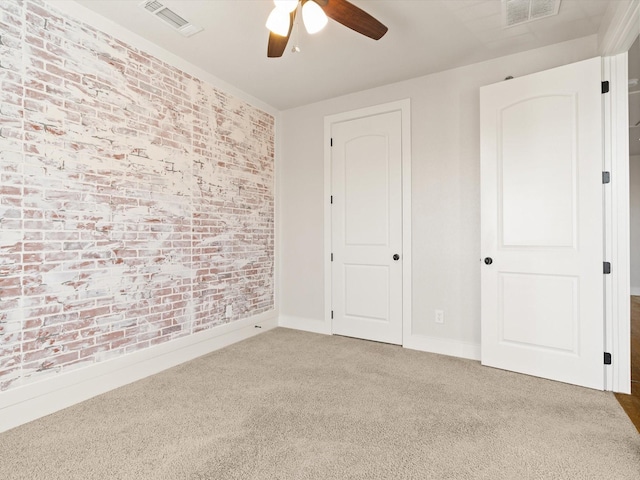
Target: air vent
153	6
517	12
172	18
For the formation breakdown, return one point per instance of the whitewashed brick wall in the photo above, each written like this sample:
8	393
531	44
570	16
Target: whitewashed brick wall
136	201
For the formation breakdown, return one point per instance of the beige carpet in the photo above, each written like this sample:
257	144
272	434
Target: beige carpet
295	405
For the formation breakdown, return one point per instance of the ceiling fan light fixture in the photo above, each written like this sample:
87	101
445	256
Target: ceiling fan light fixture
279	22
313	17
286	5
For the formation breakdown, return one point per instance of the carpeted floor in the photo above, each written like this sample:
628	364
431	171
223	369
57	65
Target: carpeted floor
296	405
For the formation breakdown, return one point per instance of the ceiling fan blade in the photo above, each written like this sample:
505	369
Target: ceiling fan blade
277	43
353	17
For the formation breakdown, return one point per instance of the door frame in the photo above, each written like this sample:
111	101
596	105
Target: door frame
614	45
404	107
617	286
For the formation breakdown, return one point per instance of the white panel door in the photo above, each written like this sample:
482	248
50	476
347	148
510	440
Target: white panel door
366	218
542	225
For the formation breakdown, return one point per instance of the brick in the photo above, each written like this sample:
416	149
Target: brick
50	361
91	351
112	227
95	312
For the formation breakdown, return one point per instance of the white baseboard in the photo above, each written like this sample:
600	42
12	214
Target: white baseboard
423	343
635	291
443	346
306	324
29	402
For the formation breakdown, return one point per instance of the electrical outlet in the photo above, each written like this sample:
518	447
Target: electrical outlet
439	316
229	311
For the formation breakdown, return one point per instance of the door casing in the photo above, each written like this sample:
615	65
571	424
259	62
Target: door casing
613	46
616	225
404	106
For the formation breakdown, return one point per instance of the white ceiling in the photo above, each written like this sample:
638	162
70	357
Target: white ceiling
425	36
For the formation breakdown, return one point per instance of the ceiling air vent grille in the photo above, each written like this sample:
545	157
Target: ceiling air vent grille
517	12
152	6
172	18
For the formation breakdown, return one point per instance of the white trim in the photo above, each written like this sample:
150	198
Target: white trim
617	241
618	33
635	291
404	106
443	346
607	228
617	36
80	12
306	324
29	402
277	222
622	29
407	276
326	199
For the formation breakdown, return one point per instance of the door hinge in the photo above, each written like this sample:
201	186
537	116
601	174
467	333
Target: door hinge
607	358
331	314
331	143
606	177
332	257
331	199
605	86
606	268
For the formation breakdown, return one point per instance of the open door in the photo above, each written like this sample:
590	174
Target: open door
542	225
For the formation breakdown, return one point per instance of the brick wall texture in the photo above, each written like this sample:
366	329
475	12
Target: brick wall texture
136	201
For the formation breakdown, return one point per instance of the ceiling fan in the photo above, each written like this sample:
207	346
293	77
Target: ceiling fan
314	16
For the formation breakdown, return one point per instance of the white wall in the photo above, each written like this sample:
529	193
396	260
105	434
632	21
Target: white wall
445	192
634	222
